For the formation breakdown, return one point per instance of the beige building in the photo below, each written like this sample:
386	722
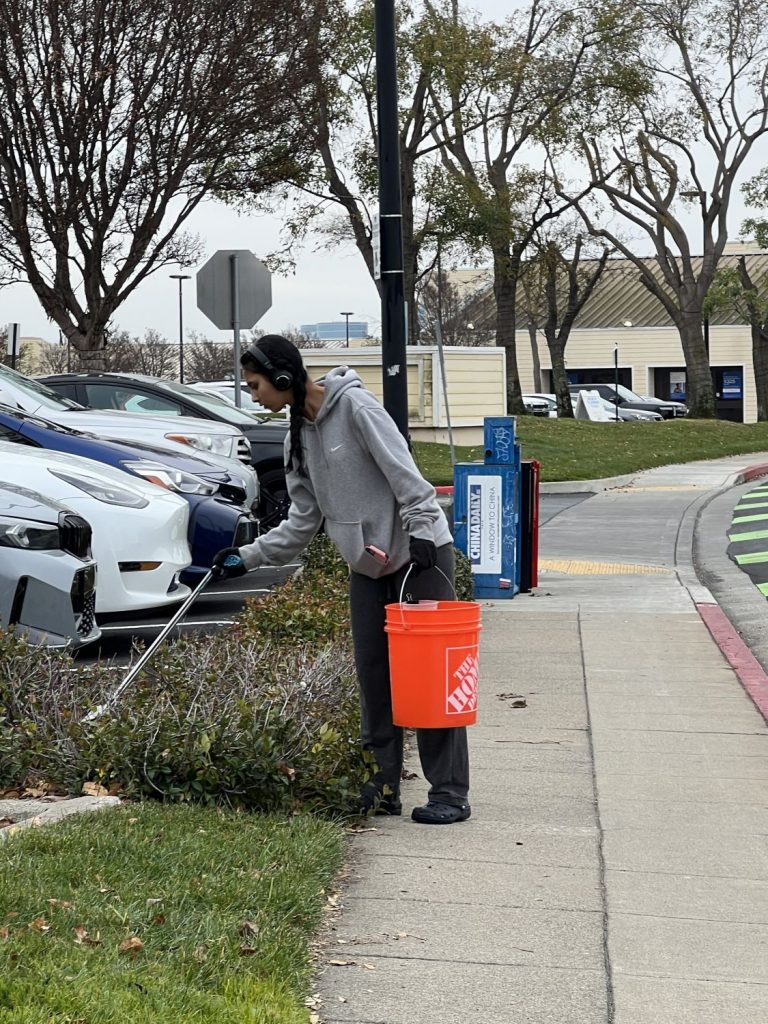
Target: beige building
622	312
476	386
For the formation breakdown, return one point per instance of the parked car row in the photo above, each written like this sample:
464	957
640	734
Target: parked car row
630	406
114	510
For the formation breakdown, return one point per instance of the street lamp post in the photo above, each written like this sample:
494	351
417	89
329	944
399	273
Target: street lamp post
347	315
181	278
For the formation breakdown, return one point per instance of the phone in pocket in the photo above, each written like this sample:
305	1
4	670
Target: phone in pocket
381	556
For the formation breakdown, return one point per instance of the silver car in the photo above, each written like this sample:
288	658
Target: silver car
47	574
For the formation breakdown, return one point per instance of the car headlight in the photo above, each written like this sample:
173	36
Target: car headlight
173	479
111	494
217	444
28	535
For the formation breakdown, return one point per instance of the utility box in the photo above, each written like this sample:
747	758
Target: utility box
486	511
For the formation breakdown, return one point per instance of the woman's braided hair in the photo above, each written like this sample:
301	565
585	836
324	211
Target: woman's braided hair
284	355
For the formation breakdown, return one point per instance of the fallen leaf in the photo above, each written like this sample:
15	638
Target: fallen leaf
369	967
5	822
249	928
94	789
200	953
159	919
248	951
40	925
342	963
131	946
153	900
132	821
5	934
62	904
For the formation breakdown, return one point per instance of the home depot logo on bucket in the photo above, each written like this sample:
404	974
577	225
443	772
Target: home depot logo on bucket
461	680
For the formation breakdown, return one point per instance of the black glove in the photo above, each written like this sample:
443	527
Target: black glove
423	554
227	564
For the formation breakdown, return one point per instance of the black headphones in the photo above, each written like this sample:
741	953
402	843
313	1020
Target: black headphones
281	380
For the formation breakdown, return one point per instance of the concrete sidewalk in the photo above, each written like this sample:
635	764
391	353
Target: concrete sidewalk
615	868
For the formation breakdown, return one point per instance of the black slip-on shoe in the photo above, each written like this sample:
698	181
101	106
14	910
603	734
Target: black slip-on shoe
436	813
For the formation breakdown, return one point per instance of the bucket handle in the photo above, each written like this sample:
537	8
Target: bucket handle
405	580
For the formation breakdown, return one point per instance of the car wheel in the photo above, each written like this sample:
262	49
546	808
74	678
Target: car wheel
274	501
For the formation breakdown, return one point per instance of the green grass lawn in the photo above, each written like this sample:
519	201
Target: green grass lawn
152	914
578	450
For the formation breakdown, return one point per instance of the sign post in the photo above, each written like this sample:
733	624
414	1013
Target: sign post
14	336
234	290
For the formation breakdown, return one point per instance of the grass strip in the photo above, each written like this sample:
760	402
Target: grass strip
152	913
579	450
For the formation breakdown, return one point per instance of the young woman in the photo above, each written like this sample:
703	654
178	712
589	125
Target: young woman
348	467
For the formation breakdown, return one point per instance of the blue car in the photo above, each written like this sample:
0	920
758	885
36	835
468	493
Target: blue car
218	517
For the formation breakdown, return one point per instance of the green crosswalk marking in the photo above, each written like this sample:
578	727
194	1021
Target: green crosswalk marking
752	504
756	494
751	535
763	588
751	519
753	558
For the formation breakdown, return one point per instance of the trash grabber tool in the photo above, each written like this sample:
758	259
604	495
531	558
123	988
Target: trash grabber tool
147	655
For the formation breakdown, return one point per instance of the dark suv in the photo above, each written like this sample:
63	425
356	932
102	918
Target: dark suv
629	400
138	393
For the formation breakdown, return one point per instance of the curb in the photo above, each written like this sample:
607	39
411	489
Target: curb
35	813
741	659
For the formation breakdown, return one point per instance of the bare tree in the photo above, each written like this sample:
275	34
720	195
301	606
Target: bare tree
208	360
55	359
118	117
524	84
341	193
568	284
463	321
709	108
151	355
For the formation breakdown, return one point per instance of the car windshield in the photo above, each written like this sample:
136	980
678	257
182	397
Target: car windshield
35	389
228	412
38	421
626	394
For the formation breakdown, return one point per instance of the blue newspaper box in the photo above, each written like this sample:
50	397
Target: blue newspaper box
486	511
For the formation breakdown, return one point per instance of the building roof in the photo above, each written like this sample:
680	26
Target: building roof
620	294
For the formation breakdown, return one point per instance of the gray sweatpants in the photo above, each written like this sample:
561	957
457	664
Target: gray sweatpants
443	752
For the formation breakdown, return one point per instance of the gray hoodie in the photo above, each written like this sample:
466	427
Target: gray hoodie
361	479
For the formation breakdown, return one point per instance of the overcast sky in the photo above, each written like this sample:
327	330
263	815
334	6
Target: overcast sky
324	284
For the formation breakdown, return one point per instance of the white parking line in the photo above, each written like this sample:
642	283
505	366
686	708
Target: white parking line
235	593
161	625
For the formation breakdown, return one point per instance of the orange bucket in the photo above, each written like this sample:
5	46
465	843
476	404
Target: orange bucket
433	663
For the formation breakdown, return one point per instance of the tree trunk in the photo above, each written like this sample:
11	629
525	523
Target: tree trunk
760	362
89	351
560	379
532	334
505	289
701	395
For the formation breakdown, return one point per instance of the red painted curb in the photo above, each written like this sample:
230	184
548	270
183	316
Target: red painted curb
448	489
743	662
751	472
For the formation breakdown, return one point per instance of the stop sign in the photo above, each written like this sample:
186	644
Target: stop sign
223	277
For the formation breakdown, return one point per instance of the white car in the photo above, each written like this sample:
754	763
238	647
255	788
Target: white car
223	443
139	529
626	415
47	573
225	390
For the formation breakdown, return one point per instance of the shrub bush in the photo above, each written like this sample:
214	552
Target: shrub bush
215	720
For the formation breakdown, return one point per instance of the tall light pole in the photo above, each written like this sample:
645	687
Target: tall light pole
393	331
181	278
347	315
